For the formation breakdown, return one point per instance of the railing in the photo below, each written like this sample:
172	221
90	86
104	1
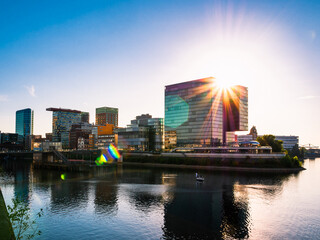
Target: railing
60	156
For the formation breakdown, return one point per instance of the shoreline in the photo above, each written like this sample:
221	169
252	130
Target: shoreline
6	230
217	168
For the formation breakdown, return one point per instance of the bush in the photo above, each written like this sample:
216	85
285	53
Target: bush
289	161
23	225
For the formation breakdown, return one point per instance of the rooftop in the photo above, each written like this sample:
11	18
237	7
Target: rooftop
62	110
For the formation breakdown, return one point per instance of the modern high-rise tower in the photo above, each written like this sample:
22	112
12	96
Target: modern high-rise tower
199	113
107	115
24	122
62	121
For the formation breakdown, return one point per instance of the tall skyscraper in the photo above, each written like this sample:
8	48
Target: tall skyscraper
107	115
24	122
62	121
200	113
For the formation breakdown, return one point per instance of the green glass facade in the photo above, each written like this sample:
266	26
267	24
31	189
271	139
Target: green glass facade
24	122
194	113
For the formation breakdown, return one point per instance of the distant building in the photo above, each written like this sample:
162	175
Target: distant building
244	138
9	138
107	115
10	141
106	136
143	134
31	139
81	130
235	109
24	126
253	133
202	115
94	137
49	137
62	120
49	146
170	141
85	117
252	136
91	141
288	141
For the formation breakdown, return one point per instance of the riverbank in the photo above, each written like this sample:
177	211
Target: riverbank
244	161
278	165
217	168
6	231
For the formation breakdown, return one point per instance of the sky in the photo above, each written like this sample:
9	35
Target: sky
87	54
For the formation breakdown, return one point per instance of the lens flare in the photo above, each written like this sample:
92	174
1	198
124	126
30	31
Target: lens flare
101	160
113	151
108	155
63	176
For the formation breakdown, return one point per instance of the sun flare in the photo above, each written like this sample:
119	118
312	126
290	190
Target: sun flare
223	84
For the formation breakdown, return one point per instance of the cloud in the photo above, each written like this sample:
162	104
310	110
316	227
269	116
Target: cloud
312	34
3	98
31	90
309	97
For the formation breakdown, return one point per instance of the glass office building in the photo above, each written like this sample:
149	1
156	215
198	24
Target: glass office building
143	134
199	112
62	121
235	110
24	122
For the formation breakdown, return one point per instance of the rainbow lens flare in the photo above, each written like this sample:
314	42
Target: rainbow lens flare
63	176
113	151
101	160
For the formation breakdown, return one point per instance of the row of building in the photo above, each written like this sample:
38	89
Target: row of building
198	113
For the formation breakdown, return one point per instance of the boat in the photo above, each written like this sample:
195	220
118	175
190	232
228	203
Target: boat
199	178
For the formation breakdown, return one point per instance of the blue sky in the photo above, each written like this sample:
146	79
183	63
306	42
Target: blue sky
87	54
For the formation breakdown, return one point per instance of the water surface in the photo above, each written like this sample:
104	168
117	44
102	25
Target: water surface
142	203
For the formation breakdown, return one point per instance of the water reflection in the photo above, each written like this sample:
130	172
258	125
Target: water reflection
67	196
167	204
106	198
218	208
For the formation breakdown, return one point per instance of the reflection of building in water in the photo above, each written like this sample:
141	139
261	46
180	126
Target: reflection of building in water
235	219
22	182
168	179
67	195
106	198
207	214
145	200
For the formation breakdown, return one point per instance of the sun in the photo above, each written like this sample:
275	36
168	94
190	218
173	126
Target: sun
223	84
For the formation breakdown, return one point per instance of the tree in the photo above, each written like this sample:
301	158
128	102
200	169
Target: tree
22	223
295	151
270	140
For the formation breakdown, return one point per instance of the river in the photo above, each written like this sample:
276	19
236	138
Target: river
151	203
